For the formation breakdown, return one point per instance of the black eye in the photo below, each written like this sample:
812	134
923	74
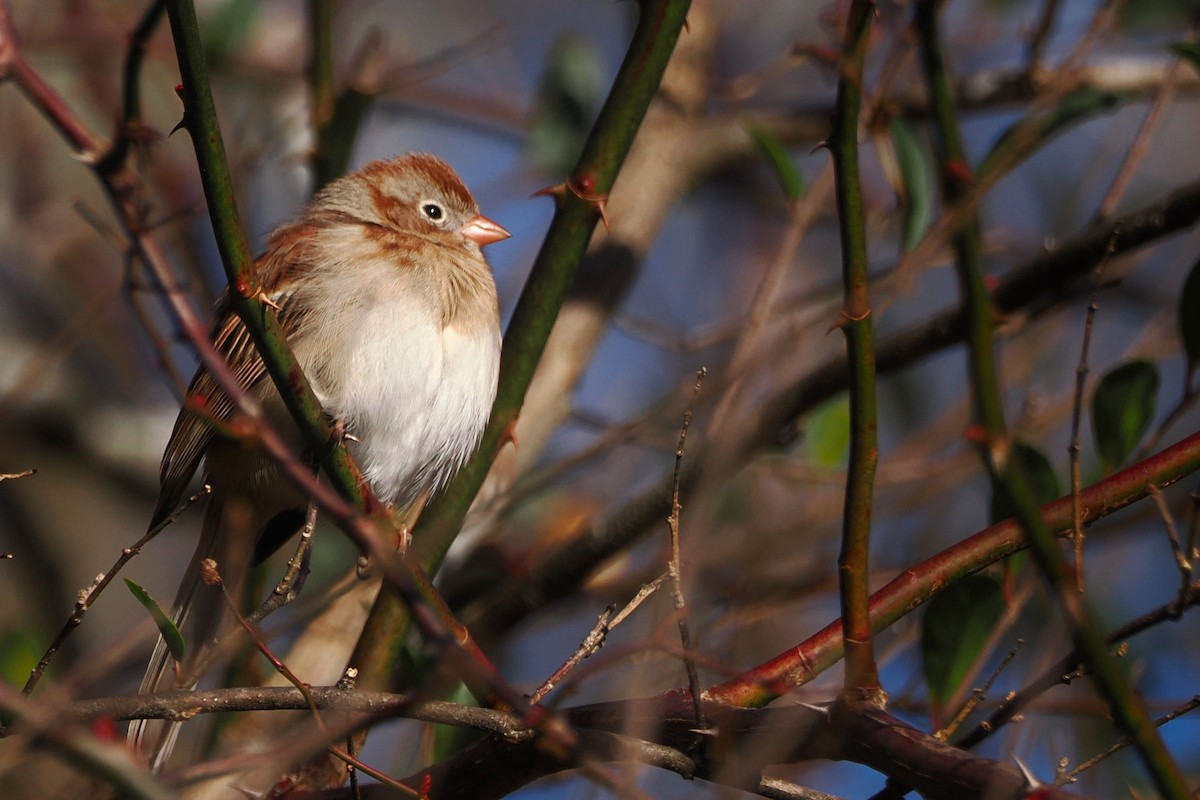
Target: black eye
432	211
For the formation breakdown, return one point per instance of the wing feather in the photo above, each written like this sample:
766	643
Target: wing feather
193	427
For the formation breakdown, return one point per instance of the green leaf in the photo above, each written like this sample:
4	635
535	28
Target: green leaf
777	156
1122	410
1189	52
1025	134
1189	317
827	434
916	170
168	629
957	625
1038	473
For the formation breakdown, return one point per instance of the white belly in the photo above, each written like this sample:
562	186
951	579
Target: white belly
417	396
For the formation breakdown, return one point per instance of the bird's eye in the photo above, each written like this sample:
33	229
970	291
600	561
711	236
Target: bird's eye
433	212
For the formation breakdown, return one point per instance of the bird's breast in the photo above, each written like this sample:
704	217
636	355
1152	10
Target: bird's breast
415	393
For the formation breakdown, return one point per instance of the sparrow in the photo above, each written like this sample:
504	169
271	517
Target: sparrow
390	308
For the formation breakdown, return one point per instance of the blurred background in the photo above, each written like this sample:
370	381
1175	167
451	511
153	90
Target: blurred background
707	263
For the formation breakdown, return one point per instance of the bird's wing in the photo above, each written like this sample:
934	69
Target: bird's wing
207	403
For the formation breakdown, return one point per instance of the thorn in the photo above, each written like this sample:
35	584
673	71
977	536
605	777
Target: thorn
975	434
1030	780
510	435
91	159
960	172
823	708
582	190
558	191
340	433
184	119
845	318
821	145
262	296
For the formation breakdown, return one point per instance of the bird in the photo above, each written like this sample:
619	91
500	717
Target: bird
390	308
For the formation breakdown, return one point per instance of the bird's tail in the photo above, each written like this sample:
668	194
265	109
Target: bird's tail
201	614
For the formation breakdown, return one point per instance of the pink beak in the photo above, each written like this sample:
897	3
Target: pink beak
482	231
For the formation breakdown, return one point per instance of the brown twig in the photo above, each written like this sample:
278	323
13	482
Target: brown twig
1040	35
1140	145
1024	139
777	789
1182	560
1074	448
674	567
107	761
1067	669
595	639
428	609
1070	777
978	696
88	595
292	582
211	575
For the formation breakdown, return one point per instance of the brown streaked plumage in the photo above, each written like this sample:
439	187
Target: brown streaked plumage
390	308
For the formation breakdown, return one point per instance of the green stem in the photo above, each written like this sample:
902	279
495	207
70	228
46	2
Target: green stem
1007	476
911	589
320	80
1127	708
557	573
245	293
131	101
336	116
853	562
956	178
566	242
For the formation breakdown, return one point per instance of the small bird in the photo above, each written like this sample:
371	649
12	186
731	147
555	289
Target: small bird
390	308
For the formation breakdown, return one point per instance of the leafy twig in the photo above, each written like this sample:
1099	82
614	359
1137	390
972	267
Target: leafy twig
905	593
1025	288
